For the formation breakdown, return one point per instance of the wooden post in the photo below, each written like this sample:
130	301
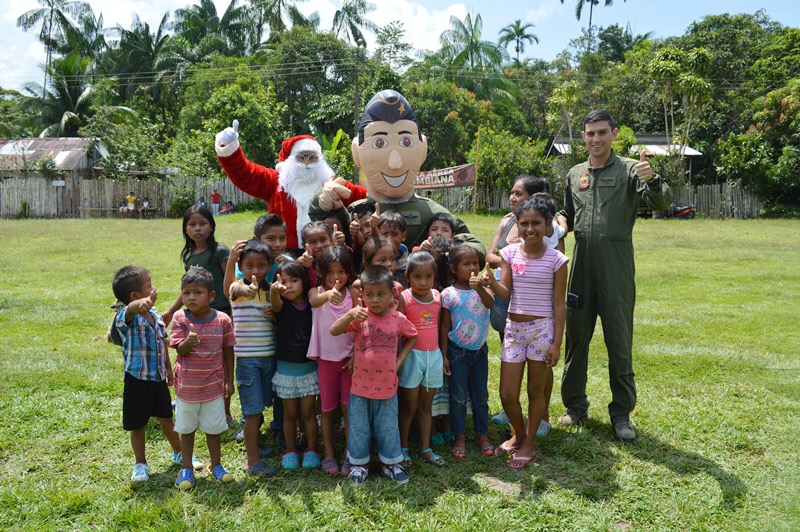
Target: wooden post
475	186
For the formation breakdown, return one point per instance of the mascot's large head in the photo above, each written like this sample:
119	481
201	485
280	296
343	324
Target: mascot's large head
390	148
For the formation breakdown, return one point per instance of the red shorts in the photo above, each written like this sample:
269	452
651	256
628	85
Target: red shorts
334	384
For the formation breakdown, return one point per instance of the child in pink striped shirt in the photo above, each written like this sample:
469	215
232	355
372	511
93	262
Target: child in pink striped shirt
204	340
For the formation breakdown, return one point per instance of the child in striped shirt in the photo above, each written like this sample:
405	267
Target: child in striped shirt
203	338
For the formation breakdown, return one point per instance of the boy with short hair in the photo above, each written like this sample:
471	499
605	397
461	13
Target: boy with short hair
148	373
203	339
392	225
376	362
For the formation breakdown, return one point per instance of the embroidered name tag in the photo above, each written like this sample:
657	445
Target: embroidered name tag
412	218
607	181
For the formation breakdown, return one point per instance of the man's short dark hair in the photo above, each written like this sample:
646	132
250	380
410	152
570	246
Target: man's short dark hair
599	116
266	222
377	275
198	275
126	280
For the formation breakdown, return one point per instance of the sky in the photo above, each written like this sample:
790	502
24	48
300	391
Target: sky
554	22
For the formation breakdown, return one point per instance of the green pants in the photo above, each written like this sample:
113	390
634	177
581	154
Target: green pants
602	276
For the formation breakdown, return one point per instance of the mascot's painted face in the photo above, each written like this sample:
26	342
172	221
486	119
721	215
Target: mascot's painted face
391	156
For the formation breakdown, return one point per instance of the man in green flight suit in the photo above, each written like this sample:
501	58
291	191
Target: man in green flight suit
601	201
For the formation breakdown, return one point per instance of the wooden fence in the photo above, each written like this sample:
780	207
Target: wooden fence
719	201
36	197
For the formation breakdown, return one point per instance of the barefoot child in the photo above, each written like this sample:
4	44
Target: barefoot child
148	373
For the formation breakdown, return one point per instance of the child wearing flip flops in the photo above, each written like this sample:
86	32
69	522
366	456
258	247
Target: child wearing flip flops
424	370
330	301
463	329
203	339
295	381
534	277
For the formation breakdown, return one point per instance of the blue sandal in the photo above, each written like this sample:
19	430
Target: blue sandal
311	460
290	460
406	458
434	458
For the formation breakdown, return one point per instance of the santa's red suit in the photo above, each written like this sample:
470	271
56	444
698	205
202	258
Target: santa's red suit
264	183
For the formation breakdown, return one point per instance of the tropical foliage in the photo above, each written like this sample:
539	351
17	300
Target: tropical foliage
155	95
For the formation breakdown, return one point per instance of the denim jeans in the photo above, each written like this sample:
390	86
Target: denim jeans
373	418
469	374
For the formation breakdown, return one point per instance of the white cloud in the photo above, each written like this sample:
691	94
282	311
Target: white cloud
545	10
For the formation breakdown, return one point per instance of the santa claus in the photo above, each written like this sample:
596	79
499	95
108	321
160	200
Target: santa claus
300	176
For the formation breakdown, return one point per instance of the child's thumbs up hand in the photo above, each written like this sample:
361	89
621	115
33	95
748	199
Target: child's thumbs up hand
307	259
427	244
278	285
146	303
192	339
474	281
643	170
359	312
487	276
375	219
334	295
251	291
338	236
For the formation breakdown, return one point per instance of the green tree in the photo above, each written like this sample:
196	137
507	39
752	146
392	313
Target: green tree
201	20
615	41
391	48
139	51
564	99
518	33
350	21
592	3
52	19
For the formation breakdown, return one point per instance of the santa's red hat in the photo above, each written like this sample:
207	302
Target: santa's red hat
298	144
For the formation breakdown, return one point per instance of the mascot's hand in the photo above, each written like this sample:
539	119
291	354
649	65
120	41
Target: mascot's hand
332	194
227	141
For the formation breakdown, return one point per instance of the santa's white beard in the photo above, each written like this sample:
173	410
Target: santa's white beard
302	182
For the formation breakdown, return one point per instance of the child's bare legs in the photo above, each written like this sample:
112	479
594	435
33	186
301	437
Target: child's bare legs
137	443
510	382
328	420
537	379
187	448
408	407
168	428
212	440
227	399
308	414
251	426
548	391
291	411
424	404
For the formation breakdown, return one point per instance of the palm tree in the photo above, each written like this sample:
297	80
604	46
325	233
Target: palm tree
275	14
201	20
52	18
87	37
67	102
140	50
517	32
351	20
463	44
592	3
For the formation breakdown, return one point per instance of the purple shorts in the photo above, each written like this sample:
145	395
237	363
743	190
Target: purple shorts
334	384
528	340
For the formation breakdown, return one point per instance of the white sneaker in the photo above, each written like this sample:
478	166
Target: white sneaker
178	459
141	473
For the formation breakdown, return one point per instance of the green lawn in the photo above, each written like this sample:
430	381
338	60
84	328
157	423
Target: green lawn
718	372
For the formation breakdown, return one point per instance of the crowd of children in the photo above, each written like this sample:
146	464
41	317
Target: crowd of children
353	325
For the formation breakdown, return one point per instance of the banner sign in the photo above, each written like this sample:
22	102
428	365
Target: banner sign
457	176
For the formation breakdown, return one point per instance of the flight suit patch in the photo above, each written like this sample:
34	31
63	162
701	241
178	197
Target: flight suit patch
583	181
607	181
412	217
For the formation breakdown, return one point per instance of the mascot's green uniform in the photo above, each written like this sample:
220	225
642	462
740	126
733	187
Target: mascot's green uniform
600	206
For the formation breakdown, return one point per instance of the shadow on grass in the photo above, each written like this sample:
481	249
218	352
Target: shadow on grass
584	462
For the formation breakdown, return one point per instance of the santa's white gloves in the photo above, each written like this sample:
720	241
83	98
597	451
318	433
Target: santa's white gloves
227	141
332	194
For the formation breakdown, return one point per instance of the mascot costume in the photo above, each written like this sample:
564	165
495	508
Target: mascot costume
301	176
390	150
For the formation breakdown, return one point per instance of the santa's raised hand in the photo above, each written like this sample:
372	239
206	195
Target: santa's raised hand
643	169
227	141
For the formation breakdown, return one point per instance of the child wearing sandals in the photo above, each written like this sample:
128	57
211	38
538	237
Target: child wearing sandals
375	364
424	370
295	380
463	329
534	277
330	301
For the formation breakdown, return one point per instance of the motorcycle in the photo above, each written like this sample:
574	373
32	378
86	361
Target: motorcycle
686	212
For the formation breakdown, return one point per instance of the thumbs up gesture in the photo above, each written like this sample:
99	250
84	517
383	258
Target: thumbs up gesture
227	141
359	313
643	169
334	295
192	339
251	290
375	219
427	244
474	281
487	276
307	258
338	236
143	306
278	285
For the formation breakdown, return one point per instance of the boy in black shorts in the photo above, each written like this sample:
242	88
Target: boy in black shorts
148	373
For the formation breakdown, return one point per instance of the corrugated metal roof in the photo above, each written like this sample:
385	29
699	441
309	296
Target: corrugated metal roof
652	149
67	152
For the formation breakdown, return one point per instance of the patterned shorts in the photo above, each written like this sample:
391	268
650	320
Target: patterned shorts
528	340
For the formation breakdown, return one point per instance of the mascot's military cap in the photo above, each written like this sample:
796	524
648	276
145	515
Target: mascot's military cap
386	106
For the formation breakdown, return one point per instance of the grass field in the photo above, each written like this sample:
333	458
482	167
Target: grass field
716	346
